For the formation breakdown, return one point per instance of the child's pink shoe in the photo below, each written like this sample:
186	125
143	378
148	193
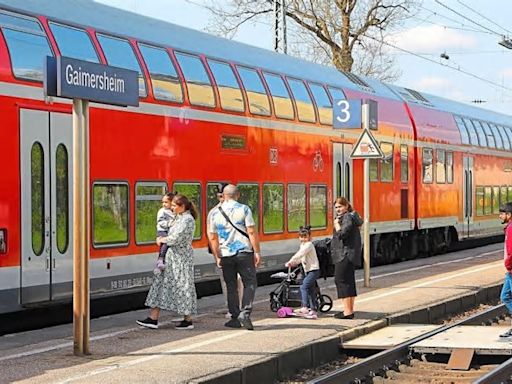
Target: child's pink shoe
301	311
311	315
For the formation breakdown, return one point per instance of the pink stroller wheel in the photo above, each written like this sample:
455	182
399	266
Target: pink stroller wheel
284	312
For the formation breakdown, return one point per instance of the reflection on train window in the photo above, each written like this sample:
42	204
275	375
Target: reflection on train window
509	198
487	200
148	200
464	136
440	166
427	165
488	133
283	106
386	167
212	195
193	192
495	200
472	132
482	137
230	94
323	103
110	214
199	85
27	44
496	133
296	197
508	132
273	209
250	196
164	78
479	194
37	197
503	195
338	179
74	42
374	169
336	93
303	102
62	198
404	163
449	167
257	98
119	53
504	136
318	206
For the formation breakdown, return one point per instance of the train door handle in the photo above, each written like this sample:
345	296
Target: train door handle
47	264
54	264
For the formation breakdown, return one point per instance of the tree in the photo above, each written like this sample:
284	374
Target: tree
348	34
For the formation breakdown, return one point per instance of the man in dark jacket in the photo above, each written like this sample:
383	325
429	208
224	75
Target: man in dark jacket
506	291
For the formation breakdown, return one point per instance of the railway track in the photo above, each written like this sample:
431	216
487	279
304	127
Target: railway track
401	364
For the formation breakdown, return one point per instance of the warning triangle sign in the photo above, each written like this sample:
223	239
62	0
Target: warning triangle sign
367	147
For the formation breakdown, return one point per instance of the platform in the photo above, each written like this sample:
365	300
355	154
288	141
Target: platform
125	353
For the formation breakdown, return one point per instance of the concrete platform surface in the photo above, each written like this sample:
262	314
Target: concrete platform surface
125	353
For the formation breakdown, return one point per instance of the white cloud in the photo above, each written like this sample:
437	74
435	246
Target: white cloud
432	39
432	83
507	72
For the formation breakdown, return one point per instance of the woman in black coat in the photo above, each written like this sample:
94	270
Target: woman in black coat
346	254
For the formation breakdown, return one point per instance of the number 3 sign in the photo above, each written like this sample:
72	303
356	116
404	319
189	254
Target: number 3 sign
347	114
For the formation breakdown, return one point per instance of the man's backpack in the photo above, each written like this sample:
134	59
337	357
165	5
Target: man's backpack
323	252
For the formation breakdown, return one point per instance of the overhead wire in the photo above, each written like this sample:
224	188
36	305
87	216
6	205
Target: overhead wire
483	16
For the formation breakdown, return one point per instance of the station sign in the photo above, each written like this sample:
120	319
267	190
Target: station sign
79	79
367	147
346	114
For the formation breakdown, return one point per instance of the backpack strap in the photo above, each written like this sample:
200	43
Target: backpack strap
229	221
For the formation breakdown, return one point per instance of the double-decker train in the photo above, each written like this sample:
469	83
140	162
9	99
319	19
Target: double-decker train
211	111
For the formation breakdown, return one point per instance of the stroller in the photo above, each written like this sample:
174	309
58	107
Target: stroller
287	294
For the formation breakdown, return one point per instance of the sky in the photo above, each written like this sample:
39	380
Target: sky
467	31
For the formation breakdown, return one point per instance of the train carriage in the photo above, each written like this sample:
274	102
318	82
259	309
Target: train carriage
211	111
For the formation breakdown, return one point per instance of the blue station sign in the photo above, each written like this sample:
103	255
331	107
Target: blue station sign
347	114
78	79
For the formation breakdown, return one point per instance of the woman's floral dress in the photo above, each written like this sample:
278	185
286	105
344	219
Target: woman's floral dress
174	288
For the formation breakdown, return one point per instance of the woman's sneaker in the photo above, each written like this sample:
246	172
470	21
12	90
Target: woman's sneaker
184	324
301	311
311	315
148	322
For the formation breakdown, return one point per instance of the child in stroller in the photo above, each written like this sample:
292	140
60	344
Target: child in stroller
311	299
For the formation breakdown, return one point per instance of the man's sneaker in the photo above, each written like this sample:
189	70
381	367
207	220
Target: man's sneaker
148	322
311	315
246	322
507	334
184	324
233	323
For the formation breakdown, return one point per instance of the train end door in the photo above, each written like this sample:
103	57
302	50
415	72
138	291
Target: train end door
467	196
342	171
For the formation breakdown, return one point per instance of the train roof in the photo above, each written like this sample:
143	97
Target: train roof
120	22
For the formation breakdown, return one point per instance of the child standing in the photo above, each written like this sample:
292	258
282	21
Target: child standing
164	219
307	256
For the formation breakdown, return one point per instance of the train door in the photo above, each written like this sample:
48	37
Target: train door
467	200
46	205
342	170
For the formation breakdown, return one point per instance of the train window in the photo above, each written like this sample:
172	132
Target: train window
449	167
440	166
479	194
37	197
283	106
119	53
273	209
163	75
199	85
487	200
257	98
482	136
148	200
27	43
193	193
464	136
508	132
336	93
74	42
109	214
323	103
318	206
386	166
230	94
404	163
338	179
305	108
374	170
427	165
250	196
296	197
503	195
504	136
491	142
473	137
495	200
62	197
509	194
496	133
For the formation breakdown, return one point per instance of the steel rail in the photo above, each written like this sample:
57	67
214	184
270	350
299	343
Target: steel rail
390	359
502	374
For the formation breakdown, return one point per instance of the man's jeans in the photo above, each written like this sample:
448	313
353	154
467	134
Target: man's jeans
242	264
308	290
506	292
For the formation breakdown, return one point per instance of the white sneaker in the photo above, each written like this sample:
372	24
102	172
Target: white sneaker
228	315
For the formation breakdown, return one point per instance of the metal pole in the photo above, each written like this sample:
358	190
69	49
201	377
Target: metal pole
366	225
86	227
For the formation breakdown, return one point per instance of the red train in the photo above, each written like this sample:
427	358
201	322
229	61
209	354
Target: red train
213	110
